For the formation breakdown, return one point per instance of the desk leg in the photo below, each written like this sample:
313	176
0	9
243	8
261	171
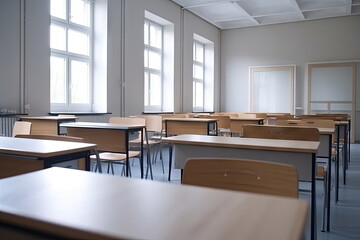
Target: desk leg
170	161
313	199
337	164
345	162
142	154
328	201
87	163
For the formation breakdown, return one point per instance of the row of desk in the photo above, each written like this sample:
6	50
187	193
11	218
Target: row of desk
215	145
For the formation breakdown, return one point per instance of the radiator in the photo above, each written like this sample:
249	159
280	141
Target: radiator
6	125
93	118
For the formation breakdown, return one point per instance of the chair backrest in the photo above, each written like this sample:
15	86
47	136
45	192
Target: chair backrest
174	115
21	127
243	175
153	123
127	120
230	114
247	115
282	132
52	137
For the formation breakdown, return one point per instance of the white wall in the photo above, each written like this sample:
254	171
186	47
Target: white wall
335	39
299	43
37	56
10	47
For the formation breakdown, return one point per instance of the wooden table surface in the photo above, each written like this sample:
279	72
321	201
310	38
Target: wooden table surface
39	148
248	143
76	204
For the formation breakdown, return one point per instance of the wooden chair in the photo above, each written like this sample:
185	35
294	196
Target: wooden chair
242	175
154	133
21	127
292	133
134	143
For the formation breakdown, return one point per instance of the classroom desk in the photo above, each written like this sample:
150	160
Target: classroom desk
21	155
61	203
48	125
176	126
108	137
237	123
301	154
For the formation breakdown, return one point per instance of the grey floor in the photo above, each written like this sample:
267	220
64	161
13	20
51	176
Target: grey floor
345	214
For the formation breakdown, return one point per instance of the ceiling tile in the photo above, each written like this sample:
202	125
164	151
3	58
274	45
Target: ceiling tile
244	13
281	18
321	4
268	7
237	24
326	13
220	12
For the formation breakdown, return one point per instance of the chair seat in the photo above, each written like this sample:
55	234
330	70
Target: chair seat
111	156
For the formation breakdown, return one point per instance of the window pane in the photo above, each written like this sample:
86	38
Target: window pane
146	33
155	36
80	12
58	79
58	8
58	37
198	94
155	90
146	58
154	60
146	89
199	52
198	72
78	42
80	82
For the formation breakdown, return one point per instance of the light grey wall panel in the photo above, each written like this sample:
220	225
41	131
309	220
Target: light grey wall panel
37	56
10	54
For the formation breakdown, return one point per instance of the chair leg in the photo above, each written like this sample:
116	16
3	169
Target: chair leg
325	198
149	165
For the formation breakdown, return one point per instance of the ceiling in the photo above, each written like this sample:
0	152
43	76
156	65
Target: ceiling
227	14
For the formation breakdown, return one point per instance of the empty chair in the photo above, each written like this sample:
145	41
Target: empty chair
243	175
21	127
154	133
120	158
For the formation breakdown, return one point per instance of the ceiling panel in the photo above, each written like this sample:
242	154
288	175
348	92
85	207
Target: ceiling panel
227	11
279	18
227	14
265	7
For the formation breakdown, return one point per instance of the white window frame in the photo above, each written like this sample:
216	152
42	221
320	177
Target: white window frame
198	108
160	51
68	25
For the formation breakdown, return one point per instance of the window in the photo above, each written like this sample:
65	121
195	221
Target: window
71	55
198	76
153	61
272	89
203	74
